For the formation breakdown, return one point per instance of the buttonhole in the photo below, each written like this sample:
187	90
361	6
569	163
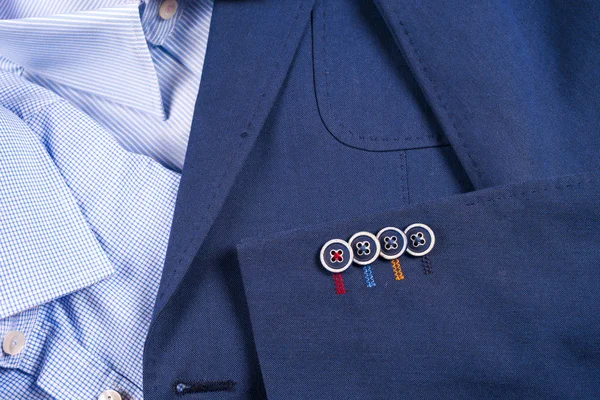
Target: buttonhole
182	388
244	134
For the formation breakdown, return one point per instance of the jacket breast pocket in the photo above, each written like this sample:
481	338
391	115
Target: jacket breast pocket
366	94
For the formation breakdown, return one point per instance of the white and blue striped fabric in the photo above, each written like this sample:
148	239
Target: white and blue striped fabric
86	197
136	76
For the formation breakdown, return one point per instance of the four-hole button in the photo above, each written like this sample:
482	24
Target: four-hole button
421	239
365	247
336	255
393	242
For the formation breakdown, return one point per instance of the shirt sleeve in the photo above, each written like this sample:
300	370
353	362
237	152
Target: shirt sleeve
47	249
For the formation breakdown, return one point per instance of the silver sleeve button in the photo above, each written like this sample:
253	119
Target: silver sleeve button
393	242
365	247
421	239
336	255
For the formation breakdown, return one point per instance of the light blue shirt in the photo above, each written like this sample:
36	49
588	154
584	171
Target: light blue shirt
137	76
86	198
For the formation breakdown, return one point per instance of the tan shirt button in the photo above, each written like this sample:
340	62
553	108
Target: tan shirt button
167	9
13	343
109	395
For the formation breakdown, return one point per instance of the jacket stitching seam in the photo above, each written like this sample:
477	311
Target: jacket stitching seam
438	95
526	193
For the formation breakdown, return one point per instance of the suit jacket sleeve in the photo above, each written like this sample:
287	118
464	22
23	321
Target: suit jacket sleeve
511	282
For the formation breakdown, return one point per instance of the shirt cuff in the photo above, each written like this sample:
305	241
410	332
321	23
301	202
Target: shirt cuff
47	249
26	323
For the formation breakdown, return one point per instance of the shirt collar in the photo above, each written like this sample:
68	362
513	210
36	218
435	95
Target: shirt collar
101	52
156	29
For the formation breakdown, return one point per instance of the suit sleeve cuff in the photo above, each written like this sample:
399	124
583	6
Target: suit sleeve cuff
507	261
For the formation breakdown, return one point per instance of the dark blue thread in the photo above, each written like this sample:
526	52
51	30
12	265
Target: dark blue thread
182	388
427	268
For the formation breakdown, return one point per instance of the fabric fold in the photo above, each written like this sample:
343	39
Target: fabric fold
124	203
45	240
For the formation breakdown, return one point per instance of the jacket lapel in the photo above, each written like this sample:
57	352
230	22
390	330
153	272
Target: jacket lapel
479	81
251	46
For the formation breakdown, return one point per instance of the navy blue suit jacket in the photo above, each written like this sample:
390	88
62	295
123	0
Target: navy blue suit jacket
316	120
